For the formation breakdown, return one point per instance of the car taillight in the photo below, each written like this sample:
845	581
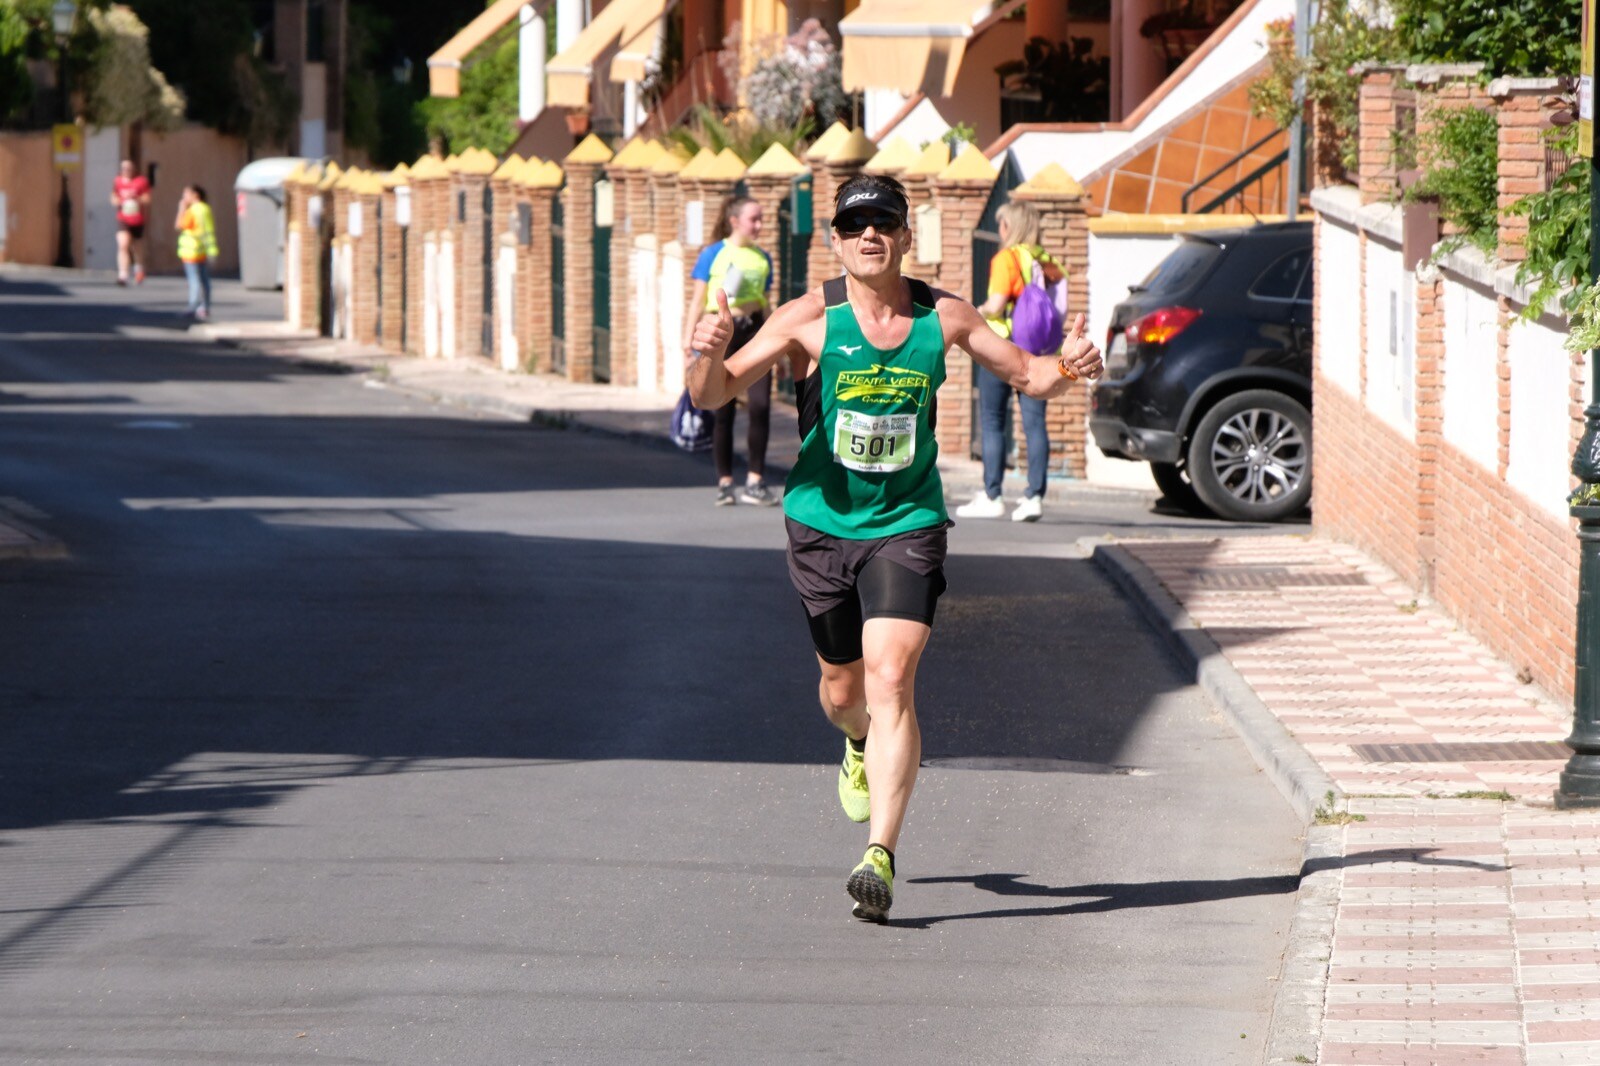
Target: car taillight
1160	326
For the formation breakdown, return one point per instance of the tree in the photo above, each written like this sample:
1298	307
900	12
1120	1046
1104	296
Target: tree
485	114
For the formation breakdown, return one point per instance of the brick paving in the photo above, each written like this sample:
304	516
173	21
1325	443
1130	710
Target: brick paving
1467	929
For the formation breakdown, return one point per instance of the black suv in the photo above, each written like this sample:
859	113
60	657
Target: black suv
1208	373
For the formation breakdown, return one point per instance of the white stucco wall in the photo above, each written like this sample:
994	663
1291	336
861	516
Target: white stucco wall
1541	448
647	336
1471	389
1391	300
1338	337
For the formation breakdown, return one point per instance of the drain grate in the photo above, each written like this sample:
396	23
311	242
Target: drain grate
1265	577
1504	751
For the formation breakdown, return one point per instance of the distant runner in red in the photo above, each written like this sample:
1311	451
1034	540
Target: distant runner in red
130	195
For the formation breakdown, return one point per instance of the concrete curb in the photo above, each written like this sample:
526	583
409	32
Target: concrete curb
1295	1029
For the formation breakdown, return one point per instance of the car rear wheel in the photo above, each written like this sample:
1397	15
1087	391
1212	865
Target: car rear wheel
1173	481
1250	457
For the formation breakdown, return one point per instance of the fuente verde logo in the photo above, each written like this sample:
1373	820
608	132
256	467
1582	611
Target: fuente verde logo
882	385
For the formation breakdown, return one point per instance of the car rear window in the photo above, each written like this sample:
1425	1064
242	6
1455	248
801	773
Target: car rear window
1186	265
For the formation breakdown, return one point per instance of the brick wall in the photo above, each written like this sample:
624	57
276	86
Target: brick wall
1505	566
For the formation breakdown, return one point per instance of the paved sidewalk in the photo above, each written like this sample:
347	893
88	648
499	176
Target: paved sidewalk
1459	911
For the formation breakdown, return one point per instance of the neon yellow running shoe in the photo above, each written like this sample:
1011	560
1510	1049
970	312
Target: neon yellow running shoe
871	885
853	784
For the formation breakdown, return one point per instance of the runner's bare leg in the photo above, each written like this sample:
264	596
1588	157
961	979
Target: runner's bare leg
124	252
843	695
892	647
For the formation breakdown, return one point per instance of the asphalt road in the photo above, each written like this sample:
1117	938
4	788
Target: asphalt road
359	730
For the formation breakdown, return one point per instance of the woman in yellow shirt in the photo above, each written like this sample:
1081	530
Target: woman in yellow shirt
734	264
197	245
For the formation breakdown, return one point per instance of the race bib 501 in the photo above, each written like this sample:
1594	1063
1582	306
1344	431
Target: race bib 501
874	444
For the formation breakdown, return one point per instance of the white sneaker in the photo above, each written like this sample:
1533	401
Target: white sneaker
1029	508
982	507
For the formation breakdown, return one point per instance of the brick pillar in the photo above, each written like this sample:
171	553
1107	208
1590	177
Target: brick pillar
1429	414
770	180
627	174
959	193
392	311
820	260
504	224
340	279
1327	140
364	194
542	184
1375	168
1523	121
666	197
430	183
918	179
470	181
584	167
636	219
1064	232
297	200
841	164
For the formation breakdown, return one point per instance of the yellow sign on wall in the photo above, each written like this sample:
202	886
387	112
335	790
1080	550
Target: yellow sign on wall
66	142
1586	84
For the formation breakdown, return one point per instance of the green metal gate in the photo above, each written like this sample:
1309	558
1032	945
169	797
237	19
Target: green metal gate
985	245
558	285
603	217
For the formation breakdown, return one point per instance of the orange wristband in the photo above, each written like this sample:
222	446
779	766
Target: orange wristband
1066	371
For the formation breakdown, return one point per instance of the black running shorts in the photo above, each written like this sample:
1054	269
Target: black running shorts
844	582
136	231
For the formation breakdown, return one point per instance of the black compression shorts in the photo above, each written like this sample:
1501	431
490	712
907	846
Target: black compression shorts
844	582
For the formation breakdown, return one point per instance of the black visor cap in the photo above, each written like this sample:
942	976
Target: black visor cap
870	200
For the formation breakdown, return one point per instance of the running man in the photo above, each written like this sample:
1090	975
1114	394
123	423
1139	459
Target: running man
130	195
864	504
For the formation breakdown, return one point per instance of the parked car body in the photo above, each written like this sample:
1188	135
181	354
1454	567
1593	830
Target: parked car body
1208	372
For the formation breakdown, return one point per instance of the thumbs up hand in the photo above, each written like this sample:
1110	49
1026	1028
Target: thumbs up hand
1079	357
711	336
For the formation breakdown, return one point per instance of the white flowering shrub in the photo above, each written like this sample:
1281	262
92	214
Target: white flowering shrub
799	78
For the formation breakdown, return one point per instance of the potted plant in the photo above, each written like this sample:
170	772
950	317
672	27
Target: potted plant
1055	82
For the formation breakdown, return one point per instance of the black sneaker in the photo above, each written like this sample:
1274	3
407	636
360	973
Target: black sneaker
725	496
758	494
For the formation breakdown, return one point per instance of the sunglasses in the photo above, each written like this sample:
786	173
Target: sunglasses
882	221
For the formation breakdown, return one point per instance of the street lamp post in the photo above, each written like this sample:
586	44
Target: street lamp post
62	16
1580	782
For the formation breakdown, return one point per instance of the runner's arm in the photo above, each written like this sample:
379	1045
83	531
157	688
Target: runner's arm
693	313
1040	378
714	378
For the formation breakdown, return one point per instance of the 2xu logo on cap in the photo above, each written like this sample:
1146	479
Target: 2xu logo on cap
856	198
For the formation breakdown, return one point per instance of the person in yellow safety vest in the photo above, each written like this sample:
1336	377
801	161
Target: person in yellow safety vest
197	244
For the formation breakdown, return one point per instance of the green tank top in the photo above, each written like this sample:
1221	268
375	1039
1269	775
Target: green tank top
868	460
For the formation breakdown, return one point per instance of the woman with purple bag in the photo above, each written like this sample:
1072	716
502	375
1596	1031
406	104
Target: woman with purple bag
1025	305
